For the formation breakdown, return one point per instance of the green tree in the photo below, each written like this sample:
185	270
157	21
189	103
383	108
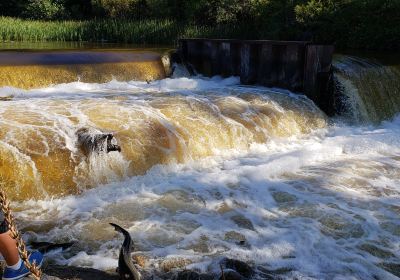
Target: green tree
366	24
43	9
79	9
275	19
114	8
12	7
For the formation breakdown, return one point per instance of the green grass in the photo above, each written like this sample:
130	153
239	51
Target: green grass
112	30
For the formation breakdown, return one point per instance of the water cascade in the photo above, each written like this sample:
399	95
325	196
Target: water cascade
202	168
44	68
371	90
38	142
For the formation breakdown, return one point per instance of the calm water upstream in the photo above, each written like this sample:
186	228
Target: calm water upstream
208	168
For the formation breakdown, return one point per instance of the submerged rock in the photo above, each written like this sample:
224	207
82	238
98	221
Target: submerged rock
46	277
266	273
6	98
243	222
45	247
229	274
200	246
393	268
56	272
284	197
236	237
240	267
192	275
376	251
174	263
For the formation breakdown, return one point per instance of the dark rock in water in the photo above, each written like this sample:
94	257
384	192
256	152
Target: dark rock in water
243	222
54	272
176	57
126	268
229	274
274	274
6	98
241	267
376	251
45	247
393	268
237	237
91	140
192	275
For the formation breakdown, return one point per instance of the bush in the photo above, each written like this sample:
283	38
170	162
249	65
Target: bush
43	9
114	8
367	24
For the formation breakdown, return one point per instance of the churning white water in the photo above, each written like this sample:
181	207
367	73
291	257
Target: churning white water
316	199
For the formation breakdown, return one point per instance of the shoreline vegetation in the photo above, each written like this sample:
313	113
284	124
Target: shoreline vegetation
162	32
349	24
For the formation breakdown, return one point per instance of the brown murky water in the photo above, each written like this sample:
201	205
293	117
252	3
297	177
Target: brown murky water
40	69
37	136
208	169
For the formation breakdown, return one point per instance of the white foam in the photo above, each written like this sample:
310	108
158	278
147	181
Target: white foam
247	182
75	89
308	204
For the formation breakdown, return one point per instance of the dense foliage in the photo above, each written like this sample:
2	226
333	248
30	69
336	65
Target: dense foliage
364	24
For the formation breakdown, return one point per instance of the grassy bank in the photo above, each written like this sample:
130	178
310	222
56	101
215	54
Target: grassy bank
349	24
111	30
167	32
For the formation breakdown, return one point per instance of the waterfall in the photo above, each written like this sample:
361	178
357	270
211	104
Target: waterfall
154	124
207	168
40	69
371	91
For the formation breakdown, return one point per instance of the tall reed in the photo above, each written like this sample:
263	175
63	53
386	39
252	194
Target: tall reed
111	30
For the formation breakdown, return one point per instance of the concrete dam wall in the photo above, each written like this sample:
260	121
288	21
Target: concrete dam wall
36	69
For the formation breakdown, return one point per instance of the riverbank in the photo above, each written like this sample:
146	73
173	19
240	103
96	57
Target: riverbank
158	31
161	32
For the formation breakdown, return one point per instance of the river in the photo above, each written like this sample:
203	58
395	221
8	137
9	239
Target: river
210	168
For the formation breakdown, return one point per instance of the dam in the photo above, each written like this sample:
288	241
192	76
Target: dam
202	167
32	69
298	66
